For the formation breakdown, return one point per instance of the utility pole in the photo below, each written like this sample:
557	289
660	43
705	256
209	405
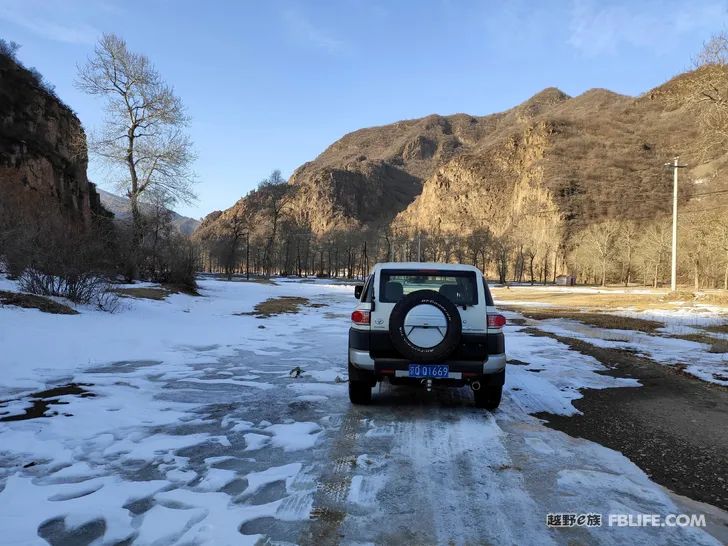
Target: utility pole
673	272
419	246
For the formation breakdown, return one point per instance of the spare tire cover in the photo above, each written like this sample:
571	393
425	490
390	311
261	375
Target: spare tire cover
425	326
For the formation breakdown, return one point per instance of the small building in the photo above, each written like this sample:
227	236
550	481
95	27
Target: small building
566	280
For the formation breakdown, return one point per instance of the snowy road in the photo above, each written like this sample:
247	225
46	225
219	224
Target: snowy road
189	430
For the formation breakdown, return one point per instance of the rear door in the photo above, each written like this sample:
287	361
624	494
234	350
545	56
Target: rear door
462	287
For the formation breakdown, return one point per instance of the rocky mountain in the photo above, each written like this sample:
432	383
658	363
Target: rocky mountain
43	155
552	160
121	208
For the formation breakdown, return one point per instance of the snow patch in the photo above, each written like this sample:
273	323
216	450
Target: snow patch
294	436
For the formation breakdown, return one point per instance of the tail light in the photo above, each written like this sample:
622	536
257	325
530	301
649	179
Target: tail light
496	321
360	317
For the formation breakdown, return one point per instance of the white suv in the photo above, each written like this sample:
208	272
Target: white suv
425	323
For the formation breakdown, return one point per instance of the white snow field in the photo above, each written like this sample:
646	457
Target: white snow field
663	346
182	425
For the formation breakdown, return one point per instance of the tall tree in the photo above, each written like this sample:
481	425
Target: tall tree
142	139
276	194
601	240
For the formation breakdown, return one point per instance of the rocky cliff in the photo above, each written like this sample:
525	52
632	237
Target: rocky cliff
43	155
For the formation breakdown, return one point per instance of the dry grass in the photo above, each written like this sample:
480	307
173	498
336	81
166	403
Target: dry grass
29	301
717	328
569	305
173	288
719	346
705	339
679	295
606	298
143	293
557	298
155	293
715	298
278	306
599	320
719	298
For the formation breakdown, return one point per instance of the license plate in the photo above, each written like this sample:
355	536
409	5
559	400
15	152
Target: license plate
429	370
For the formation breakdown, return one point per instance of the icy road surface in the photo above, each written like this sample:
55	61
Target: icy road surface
185	427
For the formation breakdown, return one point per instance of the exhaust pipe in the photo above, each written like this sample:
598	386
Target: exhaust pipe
475	385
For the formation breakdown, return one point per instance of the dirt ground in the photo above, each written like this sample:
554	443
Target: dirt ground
674	427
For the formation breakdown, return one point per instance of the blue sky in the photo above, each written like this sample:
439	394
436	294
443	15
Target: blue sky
271	84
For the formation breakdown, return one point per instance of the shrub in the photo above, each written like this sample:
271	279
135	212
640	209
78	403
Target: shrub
178	265
85	288
54	257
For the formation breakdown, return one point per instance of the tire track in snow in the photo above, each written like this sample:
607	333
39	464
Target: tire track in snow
469	481
446	475
329	502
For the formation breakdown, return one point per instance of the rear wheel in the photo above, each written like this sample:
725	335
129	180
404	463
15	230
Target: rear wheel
488	396
360	392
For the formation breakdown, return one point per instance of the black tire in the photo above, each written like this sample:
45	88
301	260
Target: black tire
359	392
488	396
425	354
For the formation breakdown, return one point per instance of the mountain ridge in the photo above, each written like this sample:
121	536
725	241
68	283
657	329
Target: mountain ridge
121	208
575	156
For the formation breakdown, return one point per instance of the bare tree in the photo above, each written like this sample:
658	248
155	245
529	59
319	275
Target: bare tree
627	242
654	248
709	94
142	138
9	48
276	195
714	52
601	240
722	243
502	246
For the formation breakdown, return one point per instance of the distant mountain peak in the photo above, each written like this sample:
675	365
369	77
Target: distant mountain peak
121	207
548	96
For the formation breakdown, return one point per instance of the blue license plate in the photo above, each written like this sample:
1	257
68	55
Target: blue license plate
433	371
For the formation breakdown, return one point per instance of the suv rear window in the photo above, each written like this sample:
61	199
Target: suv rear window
458	286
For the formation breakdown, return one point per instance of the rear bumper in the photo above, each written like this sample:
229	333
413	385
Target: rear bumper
361	359
473	347
486	354
494	364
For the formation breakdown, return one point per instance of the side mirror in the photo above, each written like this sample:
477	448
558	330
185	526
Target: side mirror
357	291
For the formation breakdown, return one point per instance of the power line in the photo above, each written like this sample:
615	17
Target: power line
705	210
633	196
587	223
709	193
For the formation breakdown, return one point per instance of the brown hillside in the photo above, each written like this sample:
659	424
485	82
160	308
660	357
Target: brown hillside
552	160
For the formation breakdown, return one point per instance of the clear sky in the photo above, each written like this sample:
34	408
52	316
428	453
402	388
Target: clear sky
271	84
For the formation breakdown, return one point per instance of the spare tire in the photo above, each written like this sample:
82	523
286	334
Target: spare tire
425	326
